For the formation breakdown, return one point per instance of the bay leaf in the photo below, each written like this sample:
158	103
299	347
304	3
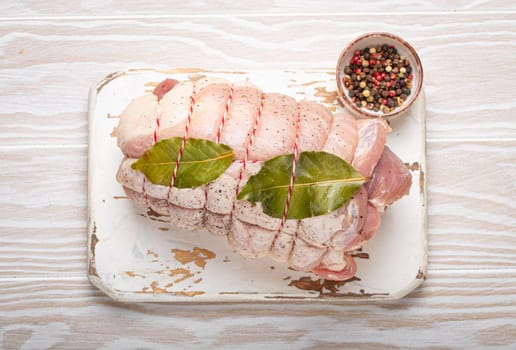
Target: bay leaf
323	183
202	162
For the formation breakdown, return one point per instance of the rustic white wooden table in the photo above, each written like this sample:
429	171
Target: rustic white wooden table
51	52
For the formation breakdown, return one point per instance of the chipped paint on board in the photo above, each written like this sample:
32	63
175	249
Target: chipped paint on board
328	97
322	286
197	255
134	274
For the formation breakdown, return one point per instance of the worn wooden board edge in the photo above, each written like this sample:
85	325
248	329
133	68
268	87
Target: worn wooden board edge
121	296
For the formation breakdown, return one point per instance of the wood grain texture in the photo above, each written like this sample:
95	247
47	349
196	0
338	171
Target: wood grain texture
474	310
28	8
43	211
52	52
471	221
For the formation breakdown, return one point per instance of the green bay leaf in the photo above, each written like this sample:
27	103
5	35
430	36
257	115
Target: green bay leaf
202	161
323	183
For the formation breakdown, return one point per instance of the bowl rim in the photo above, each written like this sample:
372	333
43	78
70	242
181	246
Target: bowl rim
365	113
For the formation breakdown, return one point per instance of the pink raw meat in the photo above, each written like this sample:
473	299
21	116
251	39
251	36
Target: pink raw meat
372	134
391	180
258	127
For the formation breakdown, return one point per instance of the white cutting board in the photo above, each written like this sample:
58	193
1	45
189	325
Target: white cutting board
132	258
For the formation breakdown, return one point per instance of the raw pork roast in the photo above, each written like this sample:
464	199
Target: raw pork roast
259	126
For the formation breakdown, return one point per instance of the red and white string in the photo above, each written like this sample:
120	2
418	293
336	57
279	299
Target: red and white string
219	133
154	140
293	173
246	154
183	144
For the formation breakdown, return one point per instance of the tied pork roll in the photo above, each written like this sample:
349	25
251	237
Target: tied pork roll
259	126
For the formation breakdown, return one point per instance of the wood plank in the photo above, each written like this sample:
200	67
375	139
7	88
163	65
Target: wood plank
43	211
52	180
43	251
452	309
469	221
48	128
48	65
471	189
137	8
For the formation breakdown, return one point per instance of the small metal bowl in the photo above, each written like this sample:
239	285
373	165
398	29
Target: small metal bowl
373	40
